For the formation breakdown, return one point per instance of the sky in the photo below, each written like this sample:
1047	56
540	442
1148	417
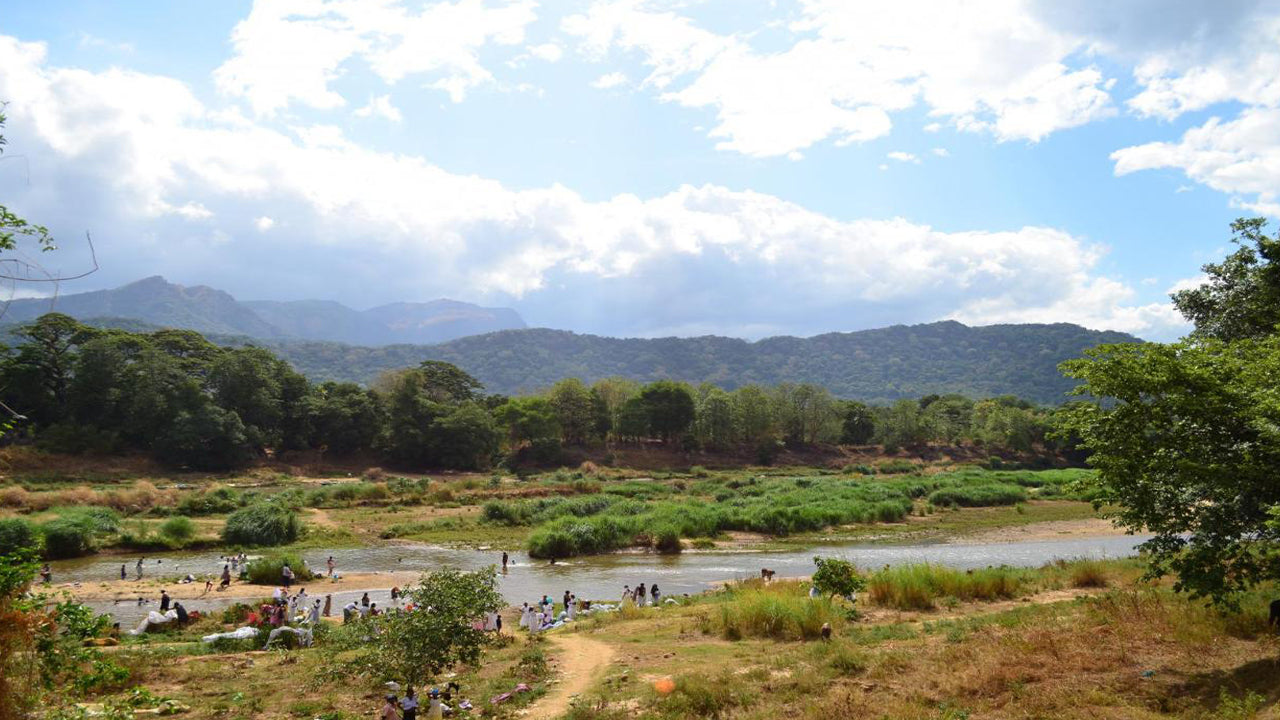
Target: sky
649	168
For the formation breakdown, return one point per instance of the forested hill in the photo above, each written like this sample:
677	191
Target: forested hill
884	364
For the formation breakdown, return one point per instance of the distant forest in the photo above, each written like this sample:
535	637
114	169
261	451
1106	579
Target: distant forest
194	404
875	366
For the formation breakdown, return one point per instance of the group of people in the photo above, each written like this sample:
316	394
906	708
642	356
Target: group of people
542	614
640	596
298	607
406	708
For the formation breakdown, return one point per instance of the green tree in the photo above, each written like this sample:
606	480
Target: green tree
205	438
247	381
669	408
447	383
753	414
899	425
1241	298
574	410
714	425
345	418
465	437
527	419
947	419
837	577
38	377
633	420
416	647
858	424
1186	445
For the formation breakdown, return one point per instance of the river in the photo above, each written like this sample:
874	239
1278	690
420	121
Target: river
599	577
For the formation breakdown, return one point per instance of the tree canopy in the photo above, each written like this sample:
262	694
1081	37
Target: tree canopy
1186	436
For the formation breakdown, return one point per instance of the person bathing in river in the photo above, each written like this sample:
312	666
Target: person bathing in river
504	561
123	575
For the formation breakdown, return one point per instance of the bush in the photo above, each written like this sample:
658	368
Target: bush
262	524
978	496
667	541
67	537
1089	574
179	529
17	534
212	502
896	467
267	570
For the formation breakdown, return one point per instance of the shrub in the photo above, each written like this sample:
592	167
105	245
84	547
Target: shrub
97	519
179	529
667	540
897	466
17	534
266	570
262	524
835	576
979	495
704	697
211	502
67	537
1089	574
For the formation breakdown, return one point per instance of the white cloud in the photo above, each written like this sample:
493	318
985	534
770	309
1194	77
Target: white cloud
380	106
940	152
1190	283
933	127
264	223
292	50
904	157
344	213
1240	157
991	67
609	80
548	52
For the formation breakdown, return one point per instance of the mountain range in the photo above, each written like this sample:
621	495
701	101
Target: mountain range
158	302
329	341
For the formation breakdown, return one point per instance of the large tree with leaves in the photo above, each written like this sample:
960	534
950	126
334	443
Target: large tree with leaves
1186	436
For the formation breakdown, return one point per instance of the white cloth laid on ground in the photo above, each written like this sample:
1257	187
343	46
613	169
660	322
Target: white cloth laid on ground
304	636
154	618
243	633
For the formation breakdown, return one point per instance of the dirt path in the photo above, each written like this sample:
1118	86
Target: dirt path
581	660
1048	530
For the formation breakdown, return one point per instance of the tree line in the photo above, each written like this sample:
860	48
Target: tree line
191	403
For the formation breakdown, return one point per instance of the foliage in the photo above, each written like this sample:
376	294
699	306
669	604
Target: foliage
267	570
415	647
1241	295
178	528
18	534
68	537
978	496
262	523
18	623
837	577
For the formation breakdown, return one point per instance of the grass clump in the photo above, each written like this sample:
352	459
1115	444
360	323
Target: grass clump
262	524
776	611
978	495
267	570
1089	574
700	696
179	529
919	587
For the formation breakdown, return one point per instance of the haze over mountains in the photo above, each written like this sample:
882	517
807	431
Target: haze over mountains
158	302
329	341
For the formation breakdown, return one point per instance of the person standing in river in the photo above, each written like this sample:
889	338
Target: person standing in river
504	560
123	574
164	601
331	565
139	568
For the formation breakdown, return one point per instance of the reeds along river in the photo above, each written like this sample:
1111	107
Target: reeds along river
599	577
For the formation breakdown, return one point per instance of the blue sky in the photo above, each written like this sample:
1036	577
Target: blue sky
625	167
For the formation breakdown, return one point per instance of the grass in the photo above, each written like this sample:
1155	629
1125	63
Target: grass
780	611
920	587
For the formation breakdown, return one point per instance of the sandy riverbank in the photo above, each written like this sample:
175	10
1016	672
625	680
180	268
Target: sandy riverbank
1050	530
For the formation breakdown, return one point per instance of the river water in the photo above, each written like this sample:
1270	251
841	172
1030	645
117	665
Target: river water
599	577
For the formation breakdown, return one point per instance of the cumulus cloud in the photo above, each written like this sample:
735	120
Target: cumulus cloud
904	157
290	51
989	67
1239	157
380	226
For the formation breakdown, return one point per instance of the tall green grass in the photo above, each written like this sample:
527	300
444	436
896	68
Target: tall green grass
978	496
920	587
776	611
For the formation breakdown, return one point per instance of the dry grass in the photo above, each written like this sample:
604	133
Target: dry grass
139	497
